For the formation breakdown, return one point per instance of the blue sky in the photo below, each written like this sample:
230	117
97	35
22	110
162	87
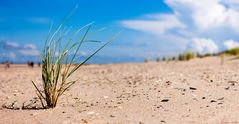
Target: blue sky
150	28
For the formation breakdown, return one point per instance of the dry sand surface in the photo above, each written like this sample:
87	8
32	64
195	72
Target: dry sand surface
198	91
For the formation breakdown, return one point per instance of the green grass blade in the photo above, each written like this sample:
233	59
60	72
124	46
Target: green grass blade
38	90
77	67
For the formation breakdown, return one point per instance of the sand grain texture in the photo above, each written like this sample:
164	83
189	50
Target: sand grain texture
199	91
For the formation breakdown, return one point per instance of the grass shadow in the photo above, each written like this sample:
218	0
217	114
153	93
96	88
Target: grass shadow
28	105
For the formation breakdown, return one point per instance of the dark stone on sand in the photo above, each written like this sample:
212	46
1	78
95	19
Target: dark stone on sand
164	100
112	116
221	98
192	88
162	121
213	101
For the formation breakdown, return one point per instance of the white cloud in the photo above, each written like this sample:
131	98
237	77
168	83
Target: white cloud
206	14
231	1
12	55
13	49
213	21
230	44
157	24
30	46
29	50
203	46
11	44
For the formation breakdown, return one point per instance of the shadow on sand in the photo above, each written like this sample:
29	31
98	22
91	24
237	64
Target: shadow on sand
28	105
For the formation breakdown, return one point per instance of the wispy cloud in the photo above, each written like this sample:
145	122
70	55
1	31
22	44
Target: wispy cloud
14	50
12	55
203	46
39	20
156	24
32	20
10	45
230	44
29	50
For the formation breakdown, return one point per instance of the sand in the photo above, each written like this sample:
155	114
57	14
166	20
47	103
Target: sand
198	91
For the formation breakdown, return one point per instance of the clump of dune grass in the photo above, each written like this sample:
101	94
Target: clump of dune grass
186	56
158	59
174	58
59	62
146	60
234	51
190	55
164	59
208	55
181	57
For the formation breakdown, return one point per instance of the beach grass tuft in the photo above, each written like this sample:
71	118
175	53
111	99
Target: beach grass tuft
234	51
186	56
60	60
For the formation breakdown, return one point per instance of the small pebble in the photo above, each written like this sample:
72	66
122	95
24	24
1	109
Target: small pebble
213	101
112	116
192	88
164	100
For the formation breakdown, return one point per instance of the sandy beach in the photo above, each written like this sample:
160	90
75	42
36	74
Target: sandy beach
198	91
